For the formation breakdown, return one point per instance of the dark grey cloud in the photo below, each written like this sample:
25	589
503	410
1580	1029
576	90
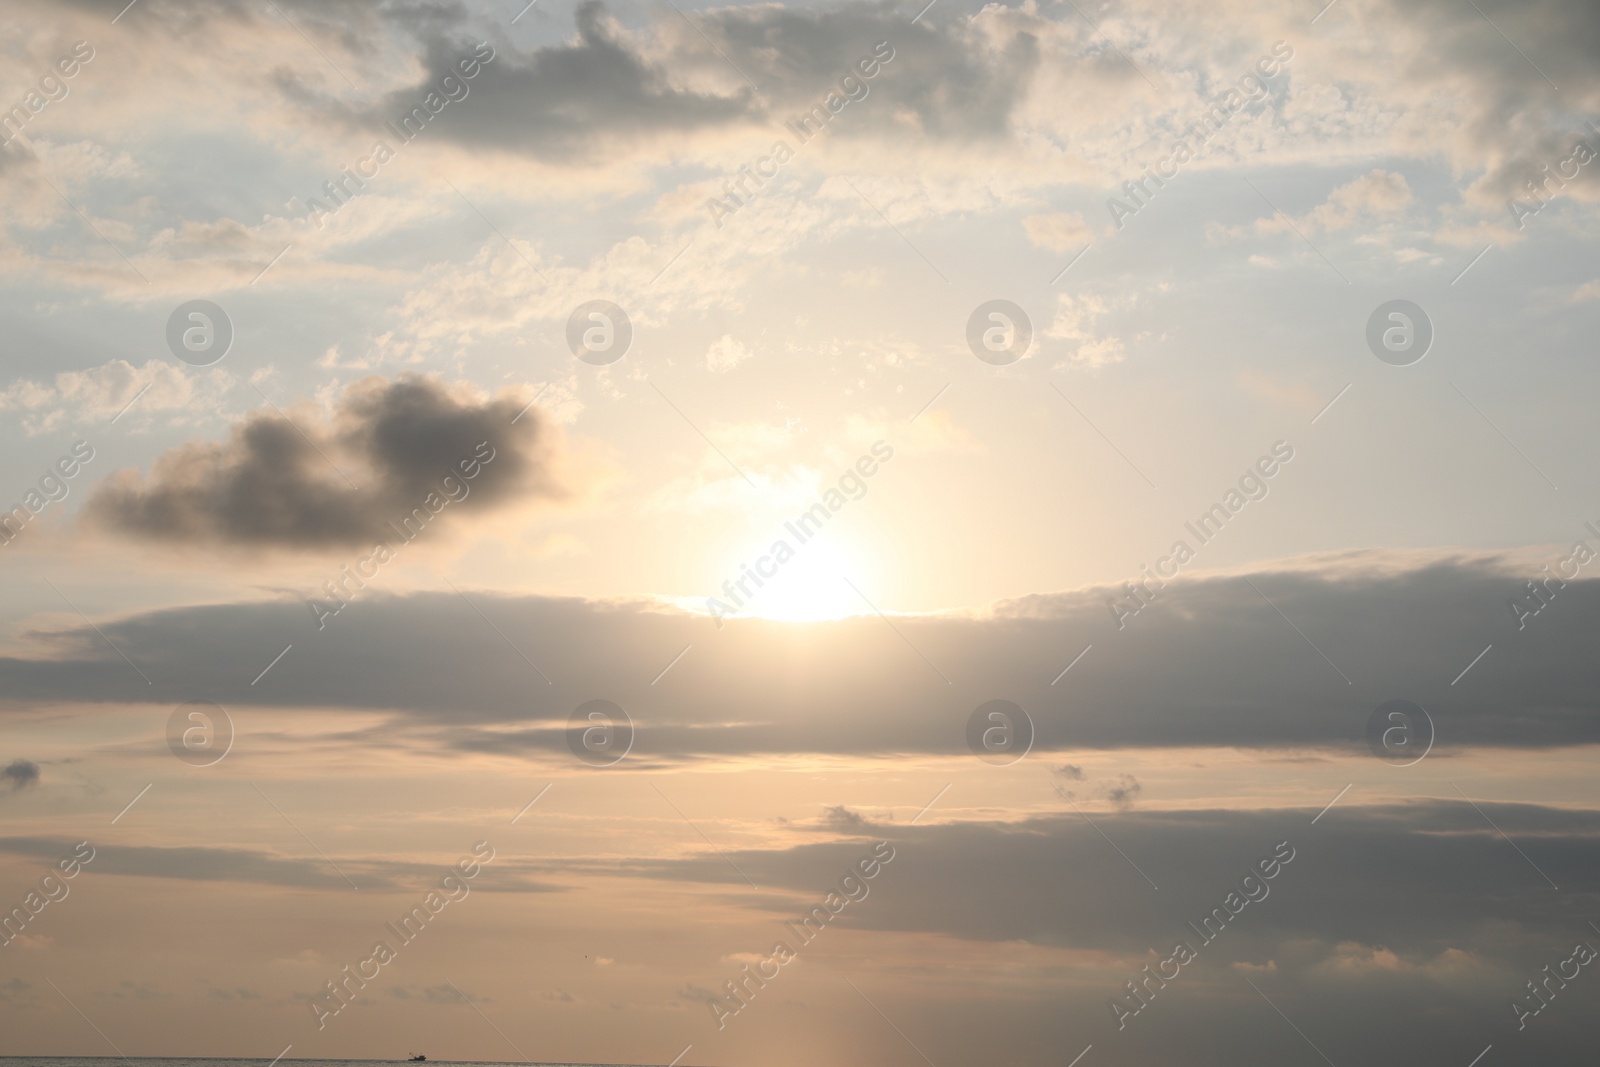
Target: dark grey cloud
1209	663
567	102
950	82
1518	120
207	864
607	93
20	774
204	863
400	443
1393	935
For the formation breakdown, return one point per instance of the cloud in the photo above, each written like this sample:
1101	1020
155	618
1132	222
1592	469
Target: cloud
439	994
1074	323
214	864
1059	232
839	817
1208	663
101	393
572	102
1375	195
1119	792
20	774
387	451
1465	921
726	353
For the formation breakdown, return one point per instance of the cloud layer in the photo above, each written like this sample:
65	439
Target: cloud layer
1210	663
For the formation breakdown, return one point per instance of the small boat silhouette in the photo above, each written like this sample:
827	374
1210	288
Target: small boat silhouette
419	1058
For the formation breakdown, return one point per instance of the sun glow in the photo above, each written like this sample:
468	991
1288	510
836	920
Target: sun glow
809	586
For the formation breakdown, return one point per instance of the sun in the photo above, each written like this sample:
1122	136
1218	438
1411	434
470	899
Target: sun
809	586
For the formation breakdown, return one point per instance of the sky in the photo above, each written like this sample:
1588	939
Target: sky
800	533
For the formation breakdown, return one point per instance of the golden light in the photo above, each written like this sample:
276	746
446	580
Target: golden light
808	586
